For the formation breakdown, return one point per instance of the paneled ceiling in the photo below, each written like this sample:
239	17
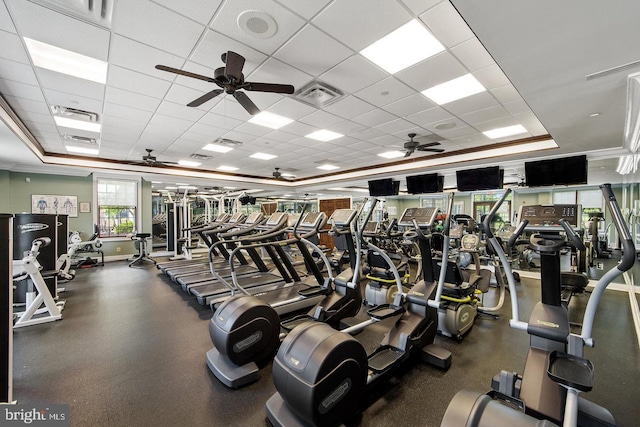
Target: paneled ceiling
531	59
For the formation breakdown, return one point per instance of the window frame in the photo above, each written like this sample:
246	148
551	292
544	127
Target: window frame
96	212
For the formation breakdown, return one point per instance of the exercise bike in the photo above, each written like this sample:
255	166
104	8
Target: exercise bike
547	393
321	375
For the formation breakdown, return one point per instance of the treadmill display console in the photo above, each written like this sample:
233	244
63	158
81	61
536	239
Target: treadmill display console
253	218
311	220
275	218
371	227
342	216
424	216
547	217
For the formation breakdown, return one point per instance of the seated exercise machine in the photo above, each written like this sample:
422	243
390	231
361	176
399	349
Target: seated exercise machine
140	241
78	248
555	372
323	375
28	268
246	329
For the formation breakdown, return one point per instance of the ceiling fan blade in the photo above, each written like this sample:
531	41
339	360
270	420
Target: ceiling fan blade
428	144
204	98
233	66
433	150
268	87
244	100
408	153
185	73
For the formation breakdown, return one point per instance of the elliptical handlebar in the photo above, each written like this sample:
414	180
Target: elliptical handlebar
628	247
297	224
517	233
576	241
359	232
489	218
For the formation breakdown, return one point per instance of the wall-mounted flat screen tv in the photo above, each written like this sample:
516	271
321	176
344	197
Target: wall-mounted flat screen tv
384	187
563	171
427	183
489	178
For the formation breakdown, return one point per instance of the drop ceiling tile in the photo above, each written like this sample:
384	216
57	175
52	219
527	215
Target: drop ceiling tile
28	104
180	111
305	8
71	85
253	129
479	116
274	71
114	124
497	123
120	135
447	24
432	71
139	19
159	129
312	51
183	148
245	138
281	136
471	103
112	145
9	87
366	133
6	24
374	20
374	117
491	77
226	22
472	54
16	71
230	108
130	99
263	100
395	126
47	125
321	119
409	105
199	10
174	123
389	142
214	44
63	99
349	107
419	6
142	58
384	92
506	93
289	107
43	134
431	115
34	117
531	123
133	81
125	112
45	25
219	121
12	48
353	74
183	95
300	129
456	132
517	107
203	133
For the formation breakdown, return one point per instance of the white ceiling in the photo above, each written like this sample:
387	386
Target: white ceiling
532	59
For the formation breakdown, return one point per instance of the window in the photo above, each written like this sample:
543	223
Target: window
117	202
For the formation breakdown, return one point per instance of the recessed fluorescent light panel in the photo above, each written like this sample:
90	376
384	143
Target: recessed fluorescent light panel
506	131
170	188
402	48
81	150
324	135
64	61
392	154
263	156
328	167
188	163
227	168
270	120
77	124
217	148
455	89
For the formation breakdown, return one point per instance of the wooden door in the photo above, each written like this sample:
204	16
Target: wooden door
328	206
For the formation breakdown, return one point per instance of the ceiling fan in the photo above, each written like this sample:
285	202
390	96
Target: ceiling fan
412	146
151	160
230	79
279	175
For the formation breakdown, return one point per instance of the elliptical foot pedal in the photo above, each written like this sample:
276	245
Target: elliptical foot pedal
289	324
384	311
314	291
384	357
436	356
570	371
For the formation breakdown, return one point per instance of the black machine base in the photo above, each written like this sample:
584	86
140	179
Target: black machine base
280	415
436	356
229	374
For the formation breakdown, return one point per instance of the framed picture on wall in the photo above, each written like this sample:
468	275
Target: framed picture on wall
85	207
54	204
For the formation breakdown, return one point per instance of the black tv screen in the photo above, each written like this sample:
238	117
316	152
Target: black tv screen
564	171
428	183
383	187
480	179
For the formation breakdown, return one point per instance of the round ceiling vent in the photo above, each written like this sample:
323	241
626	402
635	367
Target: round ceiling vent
257	24
446	125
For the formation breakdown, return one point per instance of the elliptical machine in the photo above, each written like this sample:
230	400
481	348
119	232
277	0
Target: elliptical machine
555	370
322	374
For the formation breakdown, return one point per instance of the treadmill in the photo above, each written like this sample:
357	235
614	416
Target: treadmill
273	229
300	295
221	220
210	236
288	275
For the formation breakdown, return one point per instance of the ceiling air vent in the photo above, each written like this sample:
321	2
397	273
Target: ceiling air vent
228	142
74	113
318	94
201	156
95	11
81	139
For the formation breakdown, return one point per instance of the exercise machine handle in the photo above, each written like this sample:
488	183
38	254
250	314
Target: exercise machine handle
629	250
517	233
573	237
297	224
489	218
